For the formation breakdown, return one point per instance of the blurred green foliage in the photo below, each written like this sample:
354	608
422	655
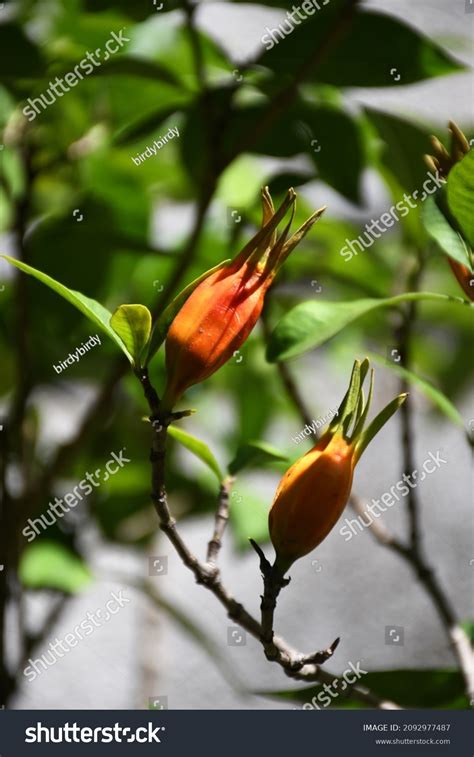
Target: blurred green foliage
75	159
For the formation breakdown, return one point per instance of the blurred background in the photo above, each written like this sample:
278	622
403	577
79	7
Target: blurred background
341	109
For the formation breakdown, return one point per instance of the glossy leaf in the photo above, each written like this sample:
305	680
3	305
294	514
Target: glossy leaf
310	324
390	48
96	312
132	323
447	238
198	448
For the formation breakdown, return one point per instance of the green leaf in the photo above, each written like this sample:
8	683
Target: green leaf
198	448
433	689
460	191
431	392
310	324
132	323
321	131
160	329
404	145
49	565
144	124
337	133
253	454
127	65
96	312
388	46
448	239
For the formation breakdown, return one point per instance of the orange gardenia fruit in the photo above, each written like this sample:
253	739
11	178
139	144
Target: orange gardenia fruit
220	313
310	498
314	491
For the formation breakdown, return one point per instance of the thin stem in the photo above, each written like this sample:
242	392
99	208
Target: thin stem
403	336
296	665
199	64
221	520
458	638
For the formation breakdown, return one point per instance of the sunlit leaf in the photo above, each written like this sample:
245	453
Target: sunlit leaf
133	325
96	312
198	448
310	324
